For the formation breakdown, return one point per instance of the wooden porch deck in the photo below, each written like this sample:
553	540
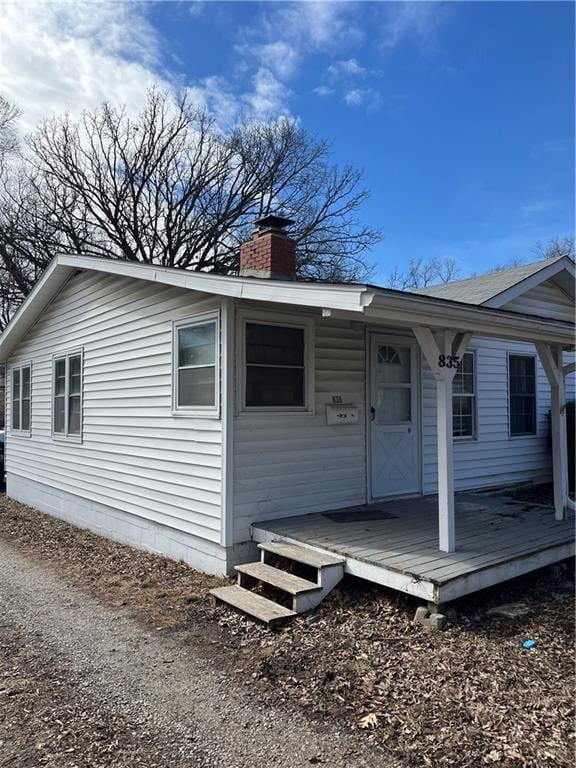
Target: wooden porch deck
395	543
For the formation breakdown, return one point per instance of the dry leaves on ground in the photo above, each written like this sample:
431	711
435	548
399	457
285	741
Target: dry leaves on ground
467	697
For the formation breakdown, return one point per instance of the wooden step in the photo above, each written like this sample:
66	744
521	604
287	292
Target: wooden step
301	554
254	605
287	582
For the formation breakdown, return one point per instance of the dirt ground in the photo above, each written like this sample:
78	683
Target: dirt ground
470	696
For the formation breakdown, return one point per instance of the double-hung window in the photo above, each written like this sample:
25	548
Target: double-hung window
21	398
276	366
464	398
522	394
196	370
67	396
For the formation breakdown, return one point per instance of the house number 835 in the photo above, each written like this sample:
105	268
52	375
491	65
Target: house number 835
448	361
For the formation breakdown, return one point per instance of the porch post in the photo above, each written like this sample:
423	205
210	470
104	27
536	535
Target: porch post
439	356
446	520
551	358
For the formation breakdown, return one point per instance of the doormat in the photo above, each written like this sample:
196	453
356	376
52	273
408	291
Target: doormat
359	515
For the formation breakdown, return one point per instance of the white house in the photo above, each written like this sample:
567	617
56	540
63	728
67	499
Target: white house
184	412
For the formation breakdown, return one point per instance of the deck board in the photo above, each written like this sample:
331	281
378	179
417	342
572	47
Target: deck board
491	532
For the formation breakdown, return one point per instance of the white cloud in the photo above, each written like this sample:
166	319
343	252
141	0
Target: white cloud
346	67
358	97
323	90
68	57
268	97
280	57
64	57
404	20
309	26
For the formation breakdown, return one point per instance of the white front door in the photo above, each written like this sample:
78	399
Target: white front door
394	433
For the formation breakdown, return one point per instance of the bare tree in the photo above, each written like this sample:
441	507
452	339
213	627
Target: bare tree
169	188
555	248
423	272
9	114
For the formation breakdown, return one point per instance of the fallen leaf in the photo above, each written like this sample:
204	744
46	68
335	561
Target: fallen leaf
368	721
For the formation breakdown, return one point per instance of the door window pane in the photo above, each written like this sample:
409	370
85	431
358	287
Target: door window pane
394	364
394	405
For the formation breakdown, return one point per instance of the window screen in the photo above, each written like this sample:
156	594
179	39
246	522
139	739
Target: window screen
275	370
522	394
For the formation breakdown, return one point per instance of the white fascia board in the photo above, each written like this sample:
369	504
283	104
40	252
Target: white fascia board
483	321
521	287
52	280
346	297
351	298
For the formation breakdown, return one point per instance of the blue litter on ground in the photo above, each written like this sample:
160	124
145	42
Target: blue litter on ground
529	644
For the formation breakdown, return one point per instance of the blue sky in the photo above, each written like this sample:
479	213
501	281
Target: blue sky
461	114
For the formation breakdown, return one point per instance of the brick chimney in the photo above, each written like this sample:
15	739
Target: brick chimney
270	253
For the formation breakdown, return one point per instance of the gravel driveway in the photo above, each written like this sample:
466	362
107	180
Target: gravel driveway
84	684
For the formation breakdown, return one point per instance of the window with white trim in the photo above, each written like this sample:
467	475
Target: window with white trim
67	395
464	398
21	398
196	369
522	394
275	366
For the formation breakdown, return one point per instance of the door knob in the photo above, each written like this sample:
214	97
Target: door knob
372	413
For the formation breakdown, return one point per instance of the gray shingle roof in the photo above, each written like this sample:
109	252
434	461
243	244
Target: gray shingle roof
478	290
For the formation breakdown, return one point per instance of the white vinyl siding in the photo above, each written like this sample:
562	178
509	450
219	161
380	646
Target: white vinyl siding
545	300
135	455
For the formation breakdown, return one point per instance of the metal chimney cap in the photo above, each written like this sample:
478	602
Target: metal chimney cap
273	222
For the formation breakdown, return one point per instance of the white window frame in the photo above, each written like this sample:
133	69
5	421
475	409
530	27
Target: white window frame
474	397
202	411
20	432
527	435
282	321
73	437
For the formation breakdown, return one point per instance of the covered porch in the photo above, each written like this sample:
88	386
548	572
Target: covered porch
443	334
395	543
